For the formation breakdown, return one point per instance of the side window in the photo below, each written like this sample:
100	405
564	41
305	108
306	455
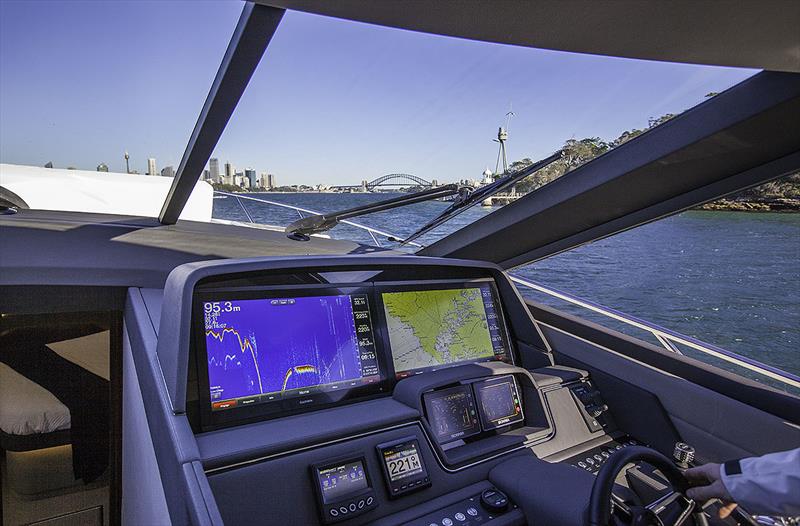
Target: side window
723	278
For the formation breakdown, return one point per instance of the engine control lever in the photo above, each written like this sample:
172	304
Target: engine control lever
683	455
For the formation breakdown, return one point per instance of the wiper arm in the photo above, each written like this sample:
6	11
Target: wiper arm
302	228
469	199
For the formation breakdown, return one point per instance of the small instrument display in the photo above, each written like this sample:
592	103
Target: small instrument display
343	488
465	410
451	413
498	400
341	480
403	466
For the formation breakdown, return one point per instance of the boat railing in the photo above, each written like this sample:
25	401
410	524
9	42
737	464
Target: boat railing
669	339
374	233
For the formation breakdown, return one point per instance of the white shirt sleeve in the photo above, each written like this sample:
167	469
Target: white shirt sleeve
766	485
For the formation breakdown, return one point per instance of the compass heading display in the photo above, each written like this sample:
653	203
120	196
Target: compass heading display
270	349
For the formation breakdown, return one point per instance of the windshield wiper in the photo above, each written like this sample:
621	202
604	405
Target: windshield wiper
315	224
468	199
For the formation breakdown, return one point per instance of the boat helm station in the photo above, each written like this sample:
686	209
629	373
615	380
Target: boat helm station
273	377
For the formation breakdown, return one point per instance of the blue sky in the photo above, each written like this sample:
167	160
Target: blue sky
331	102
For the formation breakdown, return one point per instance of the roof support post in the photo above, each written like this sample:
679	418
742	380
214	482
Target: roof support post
253	32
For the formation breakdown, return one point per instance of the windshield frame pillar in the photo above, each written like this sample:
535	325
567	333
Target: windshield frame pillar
257	24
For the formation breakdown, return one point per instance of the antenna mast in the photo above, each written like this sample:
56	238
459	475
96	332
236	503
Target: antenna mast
502	137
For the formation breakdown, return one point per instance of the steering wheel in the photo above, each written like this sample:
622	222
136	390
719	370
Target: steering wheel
600	501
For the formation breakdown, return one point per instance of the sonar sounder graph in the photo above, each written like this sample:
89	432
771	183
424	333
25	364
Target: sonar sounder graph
267	346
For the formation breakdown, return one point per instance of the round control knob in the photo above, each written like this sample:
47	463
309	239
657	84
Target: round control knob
683	454
494	500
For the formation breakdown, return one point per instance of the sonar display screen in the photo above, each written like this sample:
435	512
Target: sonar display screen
267	349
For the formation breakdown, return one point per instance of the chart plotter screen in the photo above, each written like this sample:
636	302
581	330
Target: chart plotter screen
270	349
430	329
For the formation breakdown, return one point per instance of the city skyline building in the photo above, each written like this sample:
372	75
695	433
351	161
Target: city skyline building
168	171
151	166
213	170
230	174
250	174
271	181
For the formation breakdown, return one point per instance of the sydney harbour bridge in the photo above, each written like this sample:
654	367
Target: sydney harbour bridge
390	180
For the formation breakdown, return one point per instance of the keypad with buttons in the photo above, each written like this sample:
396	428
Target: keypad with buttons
595	458
468	512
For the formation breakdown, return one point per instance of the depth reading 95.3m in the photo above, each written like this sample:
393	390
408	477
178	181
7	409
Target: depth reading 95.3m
212	310
220	306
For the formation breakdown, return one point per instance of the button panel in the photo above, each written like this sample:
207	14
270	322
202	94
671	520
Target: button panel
354	507
594	459
468	512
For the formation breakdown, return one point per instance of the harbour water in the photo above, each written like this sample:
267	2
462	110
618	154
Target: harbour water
728	278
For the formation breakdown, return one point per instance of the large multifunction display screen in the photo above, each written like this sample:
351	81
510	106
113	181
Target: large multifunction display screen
268	349
435	328
261	352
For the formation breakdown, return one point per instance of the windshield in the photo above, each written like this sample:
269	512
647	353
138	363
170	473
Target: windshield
334	106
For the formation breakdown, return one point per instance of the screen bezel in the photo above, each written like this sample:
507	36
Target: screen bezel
489	425
210	420
455	284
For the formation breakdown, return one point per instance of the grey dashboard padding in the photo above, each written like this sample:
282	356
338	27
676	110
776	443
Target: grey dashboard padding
228	446
176	324
558	374
173	443
547	493
44	247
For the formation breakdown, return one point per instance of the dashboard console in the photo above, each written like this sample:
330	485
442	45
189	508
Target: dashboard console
389	390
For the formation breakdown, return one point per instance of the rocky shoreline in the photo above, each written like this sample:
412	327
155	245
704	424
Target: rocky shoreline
753	205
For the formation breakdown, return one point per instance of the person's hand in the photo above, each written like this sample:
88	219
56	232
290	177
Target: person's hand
706	482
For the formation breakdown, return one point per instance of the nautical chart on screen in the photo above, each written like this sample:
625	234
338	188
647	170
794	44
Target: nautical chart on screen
429	329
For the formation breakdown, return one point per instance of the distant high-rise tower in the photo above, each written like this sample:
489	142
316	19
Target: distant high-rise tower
213	169
151	167
251	176
207	176
271	181
102	167
230	174
168	171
